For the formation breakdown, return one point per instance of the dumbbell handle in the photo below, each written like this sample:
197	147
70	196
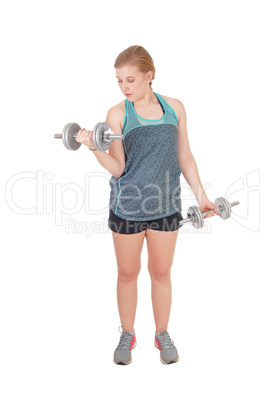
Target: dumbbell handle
109	135
189	218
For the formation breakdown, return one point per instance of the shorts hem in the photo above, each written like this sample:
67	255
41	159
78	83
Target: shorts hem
125	226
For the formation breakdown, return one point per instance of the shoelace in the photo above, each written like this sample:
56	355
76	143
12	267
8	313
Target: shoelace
125	340
165	340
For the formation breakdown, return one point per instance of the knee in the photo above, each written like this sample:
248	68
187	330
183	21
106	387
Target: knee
127	273
159	273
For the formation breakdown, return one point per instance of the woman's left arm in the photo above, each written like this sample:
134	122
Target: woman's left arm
188	164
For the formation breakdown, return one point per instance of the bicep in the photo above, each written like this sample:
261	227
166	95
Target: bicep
183	141
116	149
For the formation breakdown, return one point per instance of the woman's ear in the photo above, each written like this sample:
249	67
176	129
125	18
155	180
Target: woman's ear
149	76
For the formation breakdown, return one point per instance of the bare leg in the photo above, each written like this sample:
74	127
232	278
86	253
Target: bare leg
161	248
128	254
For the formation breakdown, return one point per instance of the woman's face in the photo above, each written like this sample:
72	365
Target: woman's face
132	82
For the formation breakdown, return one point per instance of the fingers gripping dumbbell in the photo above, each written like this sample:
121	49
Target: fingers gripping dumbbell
195	216
102	136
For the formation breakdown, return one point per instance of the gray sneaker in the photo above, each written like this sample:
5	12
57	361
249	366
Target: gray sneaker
123	354
168	352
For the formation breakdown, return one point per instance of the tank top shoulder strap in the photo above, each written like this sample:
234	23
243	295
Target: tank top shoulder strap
168	108
129	118
125	116
132	120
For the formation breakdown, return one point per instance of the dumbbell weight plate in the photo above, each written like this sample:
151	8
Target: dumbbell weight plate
197	220
98	133
68	136
224	207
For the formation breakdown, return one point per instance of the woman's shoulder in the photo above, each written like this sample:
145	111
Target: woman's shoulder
176	104
117	112
173	102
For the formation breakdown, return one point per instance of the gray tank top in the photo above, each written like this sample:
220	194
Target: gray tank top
149	187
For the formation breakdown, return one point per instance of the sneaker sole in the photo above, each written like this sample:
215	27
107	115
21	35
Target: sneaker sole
122	363
171	362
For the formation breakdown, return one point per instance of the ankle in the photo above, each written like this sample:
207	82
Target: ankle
158	331
128	330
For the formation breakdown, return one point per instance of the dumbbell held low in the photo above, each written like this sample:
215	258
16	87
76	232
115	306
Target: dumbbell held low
196	217
102	136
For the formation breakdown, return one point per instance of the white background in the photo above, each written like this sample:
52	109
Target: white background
59	318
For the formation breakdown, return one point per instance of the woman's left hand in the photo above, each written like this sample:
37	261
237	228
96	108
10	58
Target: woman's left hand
205	205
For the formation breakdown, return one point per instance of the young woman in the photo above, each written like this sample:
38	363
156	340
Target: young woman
145	193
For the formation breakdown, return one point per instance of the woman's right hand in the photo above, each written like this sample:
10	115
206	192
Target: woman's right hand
85	137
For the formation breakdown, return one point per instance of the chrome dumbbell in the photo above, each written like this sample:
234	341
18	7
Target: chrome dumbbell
102	136
195	216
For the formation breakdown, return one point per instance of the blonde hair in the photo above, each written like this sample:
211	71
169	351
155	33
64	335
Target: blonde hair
136	55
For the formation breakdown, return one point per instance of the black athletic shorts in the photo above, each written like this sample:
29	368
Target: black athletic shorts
124	226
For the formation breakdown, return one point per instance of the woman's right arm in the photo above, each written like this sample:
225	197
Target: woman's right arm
114	161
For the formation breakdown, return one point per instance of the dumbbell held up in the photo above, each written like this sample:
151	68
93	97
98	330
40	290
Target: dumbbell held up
102	136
